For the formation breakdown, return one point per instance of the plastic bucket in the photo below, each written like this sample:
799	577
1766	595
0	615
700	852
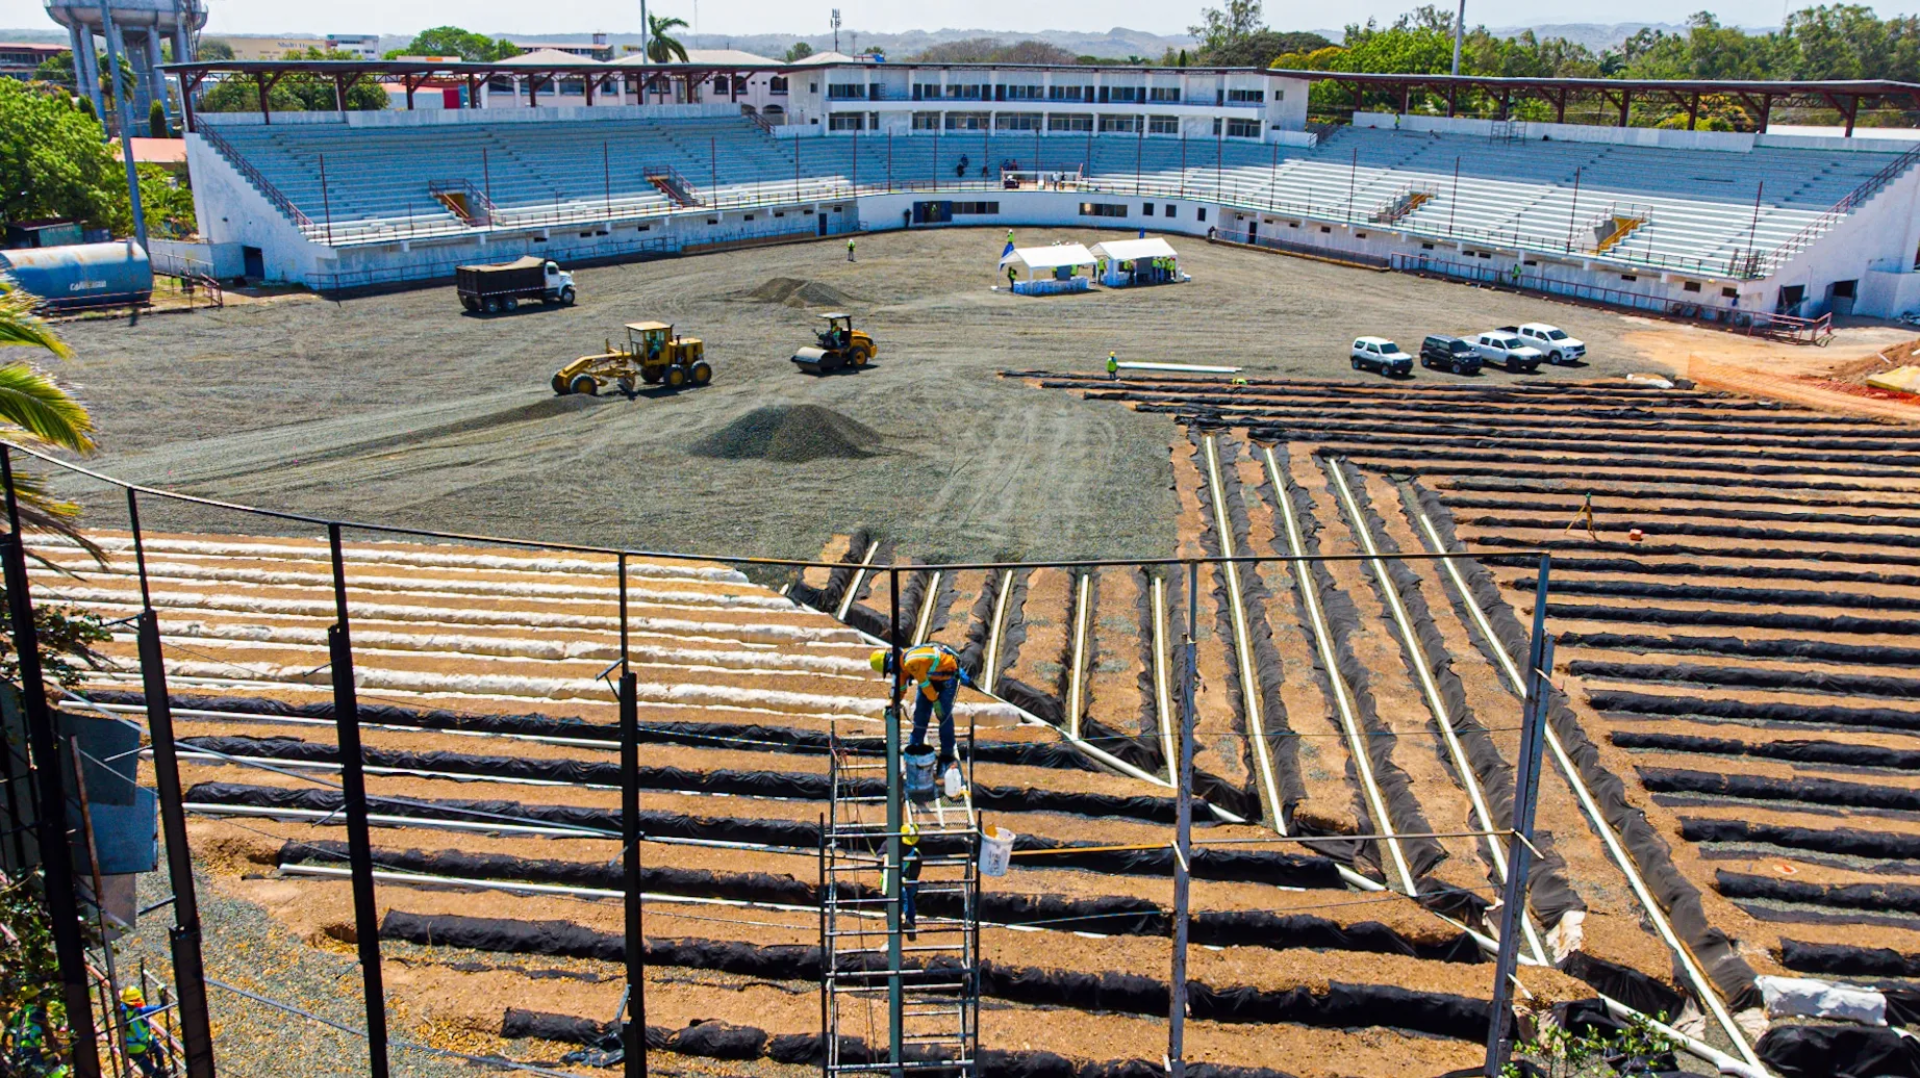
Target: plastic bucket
920	761
996	850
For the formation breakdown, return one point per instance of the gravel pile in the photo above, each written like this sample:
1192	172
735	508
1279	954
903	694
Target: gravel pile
798	292
791	434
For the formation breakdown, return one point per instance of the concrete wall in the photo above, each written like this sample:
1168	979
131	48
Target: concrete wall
1876	243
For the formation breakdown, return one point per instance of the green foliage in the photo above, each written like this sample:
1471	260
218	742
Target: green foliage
168	202
1259	48
57	162
85	106
299	92
1562	1054
800	51
212	48
157	122
662	46
987	50
29	973
1222	27
453	41
67	636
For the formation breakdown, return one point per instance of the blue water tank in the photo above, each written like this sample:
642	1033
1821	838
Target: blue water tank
82	275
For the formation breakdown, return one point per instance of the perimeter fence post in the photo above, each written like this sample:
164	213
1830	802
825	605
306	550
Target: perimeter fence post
634	1035
1519	849
56	857
183	939
1183	839
895	818
353	794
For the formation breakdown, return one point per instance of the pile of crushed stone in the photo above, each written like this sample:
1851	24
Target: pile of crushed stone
790	434
798	292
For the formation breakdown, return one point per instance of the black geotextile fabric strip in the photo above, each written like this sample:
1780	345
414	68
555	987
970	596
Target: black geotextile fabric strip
1839	1052
1048	754
1658	546
1248	866
1729	646
1845	841
1880	897
1841	960
1730	973
1342	619
1570	439
1340	1006
1806	752
828	598
1549	891
1114	915
1744	571
1718	512
1638	703
714	1039
913	602
973	646
787	784
1814	791
1748	677
1510	485
1709	593
1692	469
1757	618
1282	749
1627	985
1146	723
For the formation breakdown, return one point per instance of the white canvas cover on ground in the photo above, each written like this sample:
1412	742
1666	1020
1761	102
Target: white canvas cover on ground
1047	258
1134	250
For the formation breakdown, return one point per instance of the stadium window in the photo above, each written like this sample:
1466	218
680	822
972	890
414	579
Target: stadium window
1426	247
1102	209
813	87
1529	262
1324	228
748	217
779	213
644	228
1069	121
1163	125
976	209
926	121
1122	95
845	91
721	85
1120	124
966	121
1146	209
1729	293
1172	210
1241	128
713	220
1628	277
1359	235
573	87
1016	121
1170	94
847	121
777	84
1690	286
1025	93
1244	96
1199	213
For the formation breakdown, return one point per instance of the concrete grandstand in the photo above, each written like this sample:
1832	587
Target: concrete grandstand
1721	225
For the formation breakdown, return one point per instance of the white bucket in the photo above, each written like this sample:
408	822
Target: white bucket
996	850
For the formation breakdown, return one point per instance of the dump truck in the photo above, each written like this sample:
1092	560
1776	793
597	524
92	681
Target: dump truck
838	347
502	287
652	355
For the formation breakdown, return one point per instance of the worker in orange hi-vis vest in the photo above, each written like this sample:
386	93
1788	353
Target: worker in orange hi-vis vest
935	673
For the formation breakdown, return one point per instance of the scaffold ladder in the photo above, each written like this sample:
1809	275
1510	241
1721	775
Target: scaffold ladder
893	1001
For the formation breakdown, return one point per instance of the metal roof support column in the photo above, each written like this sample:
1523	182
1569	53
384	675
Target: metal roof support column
1766	112
1693	110
1626	98
1453	90
1560	107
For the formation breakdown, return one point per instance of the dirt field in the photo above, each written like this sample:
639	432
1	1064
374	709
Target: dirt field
402	408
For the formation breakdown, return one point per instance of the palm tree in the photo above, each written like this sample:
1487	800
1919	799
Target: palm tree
36	412
662	47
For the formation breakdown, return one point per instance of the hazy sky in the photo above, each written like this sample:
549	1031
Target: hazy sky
785	16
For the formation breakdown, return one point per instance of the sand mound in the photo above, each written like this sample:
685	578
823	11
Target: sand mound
790	434
797	292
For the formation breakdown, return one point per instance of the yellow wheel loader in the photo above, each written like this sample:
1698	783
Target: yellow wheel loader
653	355
841	347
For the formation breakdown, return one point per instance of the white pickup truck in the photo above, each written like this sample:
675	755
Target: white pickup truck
1506	348
1552	341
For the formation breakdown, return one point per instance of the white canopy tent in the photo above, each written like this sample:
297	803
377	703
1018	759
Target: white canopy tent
1053	269
1138	261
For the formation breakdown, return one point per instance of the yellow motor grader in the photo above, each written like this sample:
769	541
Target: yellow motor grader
653	355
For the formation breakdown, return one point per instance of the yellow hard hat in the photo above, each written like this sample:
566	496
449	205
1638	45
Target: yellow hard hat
910	834
132	996
878	660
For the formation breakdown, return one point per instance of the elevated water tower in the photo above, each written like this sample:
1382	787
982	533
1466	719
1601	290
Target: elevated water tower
133	29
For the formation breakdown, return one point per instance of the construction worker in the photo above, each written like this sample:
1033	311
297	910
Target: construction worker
849	248
1113	367
934	670
1013	277
1584	515
910	865
142	1047
25	1037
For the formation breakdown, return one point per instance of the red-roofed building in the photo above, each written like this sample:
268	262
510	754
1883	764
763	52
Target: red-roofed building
20	59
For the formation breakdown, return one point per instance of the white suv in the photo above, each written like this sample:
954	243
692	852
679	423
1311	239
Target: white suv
1553	342
1380	354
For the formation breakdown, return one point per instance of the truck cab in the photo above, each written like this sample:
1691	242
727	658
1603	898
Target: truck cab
1556	344
1506	348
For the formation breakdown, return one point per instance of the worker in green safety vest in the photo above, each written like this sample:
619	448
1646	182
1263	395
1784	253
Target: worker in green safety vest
142	1047
27	1039
1113	367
